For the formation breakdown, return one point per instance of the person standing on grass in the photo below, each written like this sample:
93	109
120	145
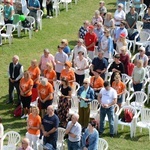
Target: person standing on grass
26	85
107	98
15	73
49	127
49	8
74	132
33	6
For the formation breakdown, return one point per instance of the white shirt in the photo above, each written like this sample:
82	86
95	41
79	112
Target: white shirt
80	64
108	96
119	16
104	45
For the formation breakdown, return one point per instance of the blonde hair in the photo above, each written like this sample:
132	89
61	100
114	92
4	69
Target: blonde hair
140	63
50	65
109	16
34	61
64	41
28	74
37	109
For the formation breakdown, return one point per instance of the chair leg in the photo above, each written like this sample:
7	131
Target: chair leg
30	34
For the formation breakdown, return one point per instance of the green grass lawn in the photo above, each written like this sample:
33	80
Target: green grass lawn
66	25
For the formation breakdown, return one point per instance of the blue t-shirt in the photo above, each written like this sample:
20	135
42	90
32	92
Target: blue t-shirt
50	123
34	3
67	50
7	12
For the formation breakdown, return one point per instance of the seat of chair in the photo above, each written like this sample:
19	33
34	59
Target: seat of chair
137	105
124	123
5	35
93	113
9	147
143	124
73	110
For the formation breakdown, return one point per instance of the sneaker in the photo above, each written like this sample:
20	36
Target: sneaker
36	30
24	116
47	16
50	17
111	135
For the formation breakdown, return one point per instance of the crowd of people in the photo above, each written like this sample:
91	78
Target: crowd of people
102	47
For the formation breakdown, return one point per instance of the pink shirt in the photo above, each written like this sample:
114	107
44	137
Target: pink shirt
44	60
28	148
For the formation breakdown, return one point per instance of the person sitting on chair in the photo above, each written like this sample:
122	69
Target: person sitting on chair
25	144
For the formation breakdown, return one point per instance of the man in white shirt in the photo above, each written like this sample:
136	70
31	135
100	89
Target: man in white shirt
107	98
74	133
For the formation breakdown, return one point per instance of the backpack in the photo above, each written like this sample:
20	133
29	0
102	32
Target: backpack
18	111
26	23
128	115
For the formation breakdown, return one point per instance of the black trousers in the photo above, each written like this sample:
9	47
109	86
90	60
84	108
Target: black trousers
79	78
58	75
49	8
11	91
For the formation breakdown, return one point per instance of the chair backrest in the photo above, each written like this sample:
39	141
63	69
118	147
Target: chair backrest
16	19
145	115
127	7
139	26
56	3
39	14
102	144
11	138
61	134
9	28
75	102
44	3
143	8
125	96
144	36
125	78
140	97
1	19
56	85
94	105
30	19
1	8
75	88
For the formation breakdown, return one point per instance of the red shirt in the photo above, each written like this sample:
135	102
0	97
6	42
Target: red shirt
89	39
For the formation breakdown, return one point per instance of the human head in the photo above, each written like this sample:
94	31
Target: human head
8	2
86	82
25	143
15	59
96	74
86	23
107	85
68	64
64	42
46	52
109	16
97	13
101	3
74	118
123	49
100	54
106	32
50	110
139	63
120	6
49	65
117	57
122	35
80	54
92	124
60	47
91	28
122	24
142	50
35	110
117	77
132	8
44	81
64	81
80	42
27	74
99	25
34	63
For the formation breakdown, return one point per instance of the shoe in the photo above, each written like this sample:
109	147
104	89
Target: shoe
50	17
24	116
36	30
111	135
8	102
47	16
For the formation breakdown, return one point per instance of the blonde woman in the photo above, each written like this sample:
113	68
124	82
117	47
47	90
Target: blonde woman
138	75
96	18
109	21
66	49
33	126
34	72
121	42
50	73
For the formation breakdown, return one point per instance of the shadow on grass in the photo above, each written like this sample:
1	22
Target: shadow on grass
72	43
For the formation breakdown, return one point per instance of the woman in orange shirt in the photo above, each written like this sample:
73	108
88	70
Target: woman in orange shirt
120	87
68	73
34	72
96	82
45	93
50	73
33	127
25	86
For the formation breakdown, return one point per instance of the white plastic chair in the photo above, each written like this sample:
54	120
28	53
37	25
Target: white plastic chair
102	144
1	19
74	105
140	99
39	18
142	11
93	108
66	2
10	28
139	26
30	29
60	141
143	120
125	96
125	78
44	3
127	7
12	138
131	124
1	8
75	88
17	23
56	7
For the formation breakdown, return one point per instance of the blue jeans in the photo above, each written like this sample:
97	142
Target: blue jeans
110	114
137	87
74	145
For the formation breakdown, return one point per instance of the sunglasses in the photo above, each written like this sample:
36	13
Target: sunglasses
121	24
85	83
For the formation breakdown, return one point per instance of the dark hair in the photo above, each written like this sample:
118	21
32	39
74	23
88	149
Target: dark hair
65	80
106	83
117	56
81	52
93	123
123	22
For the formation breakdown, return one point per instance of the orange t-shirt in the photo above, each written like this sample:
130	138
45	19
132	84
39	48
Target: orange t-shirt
25	85
34	72
69	75
119	87
96	83
50	75
44	91
34	122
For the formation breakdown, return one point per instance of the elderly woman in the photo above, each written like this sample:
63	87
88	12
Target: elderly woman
121	42
90	137
85	95
33	127
109	21
64	102
96	18
116	66
119	14
138	75
50	73
68	73
45	93
25	86
8	12
96	82
120	87
83	29
124	58
80	64
34	72
106	45
46	57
